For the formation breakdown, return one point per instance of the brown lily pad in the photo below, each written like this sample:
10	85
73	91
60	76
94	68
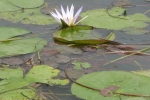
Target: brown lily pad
63	49
89	49
48	9
13	61
51	63
72	74
107	91
59	58
122	3
49	52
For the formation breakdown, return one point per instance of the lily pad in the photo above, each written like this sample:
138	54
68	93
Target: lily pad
6	73
142	72
9	32
27	3
78	65
136	98
24	46
13	61
101	18
59	58
135	31
44	74
127	83
5	5
17	85
20	94
80	35
64	49
28	16
122	3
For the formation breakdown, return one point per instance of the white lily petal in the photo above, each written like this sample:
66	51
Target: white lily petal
58	14
63	12
68	16
80	20
77	14
71	14
55	17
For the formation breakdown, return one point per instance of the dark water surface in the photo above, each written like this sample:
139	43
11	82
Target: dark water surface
95	58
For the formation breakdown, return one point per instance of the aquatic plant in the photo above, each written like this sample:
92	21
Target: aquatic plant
67	18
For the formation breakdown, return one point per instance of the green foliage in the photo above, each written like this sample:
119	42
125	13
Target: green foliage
100	18
79	64
5	5
9	32
14	84
27	3
28	16
6	73
136	98
24	46
81	35
127	82
11	44
143	72
19	94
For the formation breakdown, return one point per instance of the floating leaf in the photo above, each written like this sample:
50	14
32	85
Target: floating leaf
49	52
100	18
89	49
122	3
9	32
80	35
6	73
51	63
20	94
61	58
24	46
128	83
142	72
15	84
44	74
13	61
111	36
28	16
79	65
135	31
5	5
136	98
63	49
27	3
72	73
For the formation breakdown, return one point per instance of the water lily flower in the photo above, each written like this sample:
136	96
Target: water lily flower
67	18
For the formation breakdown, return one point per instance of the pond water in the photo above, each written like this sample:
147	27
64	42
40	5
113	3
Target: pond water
98	58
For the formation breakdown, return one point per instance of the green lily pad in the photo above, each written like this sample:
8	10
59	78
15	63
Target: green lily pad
5	5
17	85
20	94
126	82
79	64
9	32
142	72
136	98
6	73
24	46
27	3
28	16
44	74
80	35
100	18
